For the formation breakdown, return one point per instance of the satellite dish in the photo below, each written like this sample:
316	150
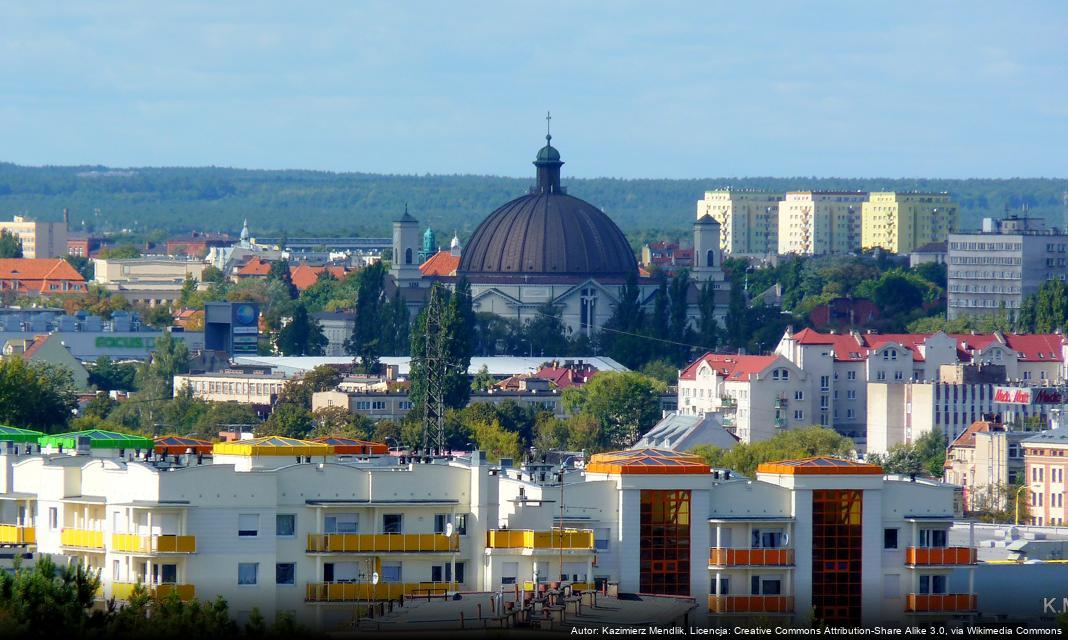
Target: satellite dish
448	530
374	578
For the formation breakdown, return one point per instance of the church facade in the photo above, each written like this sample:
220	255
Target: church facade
547	248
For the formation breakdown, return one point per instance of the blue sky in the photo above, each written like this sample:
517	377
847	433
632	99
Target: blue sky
642	89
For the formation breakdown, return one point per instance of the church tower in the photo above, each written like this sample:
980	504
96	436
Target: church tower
405	265
707	255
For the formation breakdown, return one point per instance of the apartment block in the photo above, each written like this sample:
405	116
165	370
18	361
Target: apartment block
820	222
749	220
996	269
295	526
1045	464
902	222
39	239
985	460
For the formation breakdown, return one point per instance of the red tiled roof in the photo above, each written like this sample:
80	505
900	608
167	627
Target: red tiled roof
564	377
1037	347
36	275
442	263
38	342
255	267
304	275
729	367
967	439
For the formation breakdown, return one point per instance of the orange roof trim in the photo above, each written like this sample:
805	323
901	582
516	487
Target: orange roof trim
647	462
820	466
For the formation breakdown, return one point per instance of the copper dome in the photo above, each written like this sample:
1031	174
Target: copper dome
548	233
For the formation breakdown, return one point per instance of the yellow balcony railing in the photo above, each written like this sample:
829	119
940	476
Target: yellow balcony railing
940	602
927	556
134	543
527	539
14	534
123	590
727	557
577	586
82	538
352	591
750	604
381	542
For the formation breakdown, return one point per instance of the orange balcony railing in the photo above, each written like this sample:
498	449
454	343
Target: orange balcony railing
82	538
134	543
14	534
727	557
750	604
926	556
527	539
123	590
381	542
353	592
940	602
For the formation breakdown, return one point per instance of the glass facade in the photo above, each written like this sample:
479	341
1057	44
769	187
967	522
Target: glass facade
665	542
836	555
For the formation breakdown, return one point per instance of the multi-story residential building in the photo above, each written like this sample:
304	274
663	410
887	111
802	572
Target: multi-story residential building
39	239
749	220
986	459
1045	465
936	252
901	222
665	255
394	405
285	525
150	280
256	388
1000	266
337	327
845	363
759	395
820	222
32	277
902	413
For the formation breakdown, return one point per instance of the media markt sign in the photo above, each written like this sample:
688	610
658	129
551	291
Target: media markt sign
1028	395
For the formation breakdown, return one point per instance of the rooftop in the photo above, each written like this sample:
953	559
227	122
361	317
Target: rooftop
646	462
819	466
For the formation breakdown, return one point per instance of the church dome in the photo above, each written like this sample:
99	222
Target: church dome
548	233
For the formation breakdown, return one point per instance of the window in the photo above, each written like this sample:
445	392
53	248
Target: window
851	394
461	524
392	522
881	375
285	573
851	375
889	538
248	525
285	524
342	523
799	414
933	538
509	572
766	586
391	572
168	573
825	383
933	584
247	573
441	521
767	539
53	518
601	539
899	375
799	395
724	586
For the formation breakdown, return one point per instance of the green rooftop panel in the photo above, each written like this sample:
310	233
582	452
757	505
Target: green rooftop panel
98	439
15	434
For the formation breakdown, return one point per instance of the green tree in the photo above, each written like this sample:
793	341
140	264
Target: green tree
299	391
302	336
456	358
339	421
125	251
212	274
35	396
482	381
708	330
679	320
289	420
545	333
155	378
49	601
926	456
108	375
661	370
788	445
225	416
737	315
399	329
281	273
83	265
366	342
626	405
495	441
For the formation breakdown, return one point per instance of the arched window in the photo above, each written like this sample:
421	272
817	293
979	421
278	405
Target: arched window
710	258
407	256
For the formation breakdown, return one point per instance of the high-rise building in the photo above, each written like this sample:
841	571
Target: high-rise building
39	239
820	222
901	222
749	220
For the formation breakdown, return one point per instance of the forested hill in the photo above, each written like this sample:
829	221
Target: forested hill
160	201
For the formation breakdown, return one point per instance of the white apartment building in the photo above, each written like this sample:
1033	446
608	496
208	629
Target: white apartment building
290	526
820	222
749	220
39	239
152	280
760	395
245	388
844	365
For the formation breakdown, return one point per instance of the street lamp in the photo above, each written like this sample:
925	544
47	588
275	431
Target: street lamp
388	438
1018	491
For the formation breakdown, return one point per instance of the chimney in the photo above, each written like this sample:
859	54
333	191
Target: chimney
66	217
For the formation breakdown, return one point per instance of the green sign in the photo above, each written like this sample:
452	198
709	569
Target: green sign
129	342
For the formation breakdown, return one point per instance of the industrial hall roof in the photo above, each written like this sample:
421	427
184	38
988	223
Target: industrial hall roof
272	446
647	462
820	466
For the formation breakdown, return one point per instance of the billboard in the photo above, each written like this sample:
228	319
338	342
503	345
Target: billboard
232	327
1028	395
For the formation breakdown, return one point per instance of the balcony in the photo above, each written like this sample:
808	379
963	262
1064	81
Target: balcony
381	543
750	604
727	557
14	534
574	539
941	602
82	539
354	592
134	543
123	590
934	556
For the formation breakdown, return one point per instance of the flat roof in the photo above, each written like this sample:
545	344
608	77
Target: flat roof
371	503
